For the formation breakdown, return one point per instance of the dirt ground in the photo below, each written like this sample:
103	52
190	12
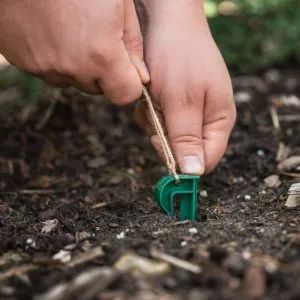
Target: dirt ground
76	196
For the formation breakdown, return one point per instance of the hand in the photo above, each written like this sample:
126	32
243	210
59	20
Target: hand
190	85
91	45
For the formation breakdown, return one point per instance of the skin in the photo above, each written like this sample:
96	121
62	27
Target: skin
96	45
190	84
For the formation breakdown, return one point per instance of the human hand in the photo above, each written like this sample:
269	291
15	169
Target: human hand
93	45
190	84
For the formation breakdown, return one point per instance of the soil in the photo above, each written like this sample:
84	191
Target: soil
92	171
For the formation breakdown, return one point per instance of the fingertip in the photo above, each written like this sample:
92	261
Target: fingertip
122	88
191	164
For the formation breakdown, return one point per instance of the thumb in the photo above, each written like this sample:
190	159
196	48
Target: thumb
133	41
183	120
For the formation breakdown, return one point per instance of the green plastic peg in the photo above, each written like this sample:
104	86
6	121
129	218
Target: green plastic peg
167	188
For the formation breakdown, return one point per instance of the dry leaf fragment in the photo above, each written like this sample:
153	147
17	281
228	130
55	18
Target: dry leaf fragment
49	226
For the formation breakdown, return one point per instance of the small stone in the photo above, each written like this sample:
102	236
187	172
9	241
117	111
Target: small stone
183	243
97	163
247	197
246	255
199	294
260	153
242	97
293	201
236	264
203	194
121	235
82	235
193	230
272	181
29	241
272	76
49	226
63	256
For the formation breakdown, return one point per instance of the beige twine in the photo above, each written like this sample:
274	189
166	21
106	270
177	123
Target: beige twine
170	160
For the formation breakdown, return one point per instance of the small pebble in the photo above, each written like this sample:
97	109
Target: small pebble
63	256
260	153
236	264
242	97
193	230
183	243
203	194
29	241
121	236
272	76
247	197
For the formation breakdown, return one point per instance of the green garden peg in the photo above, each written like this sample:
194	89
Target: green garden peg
167	188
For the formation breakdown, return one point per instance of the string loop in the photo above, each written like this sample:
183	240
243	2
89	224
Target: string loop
170	160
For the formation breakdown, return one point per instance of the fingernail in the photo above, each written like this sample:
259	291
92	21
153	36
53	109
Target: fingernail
144	73
192	164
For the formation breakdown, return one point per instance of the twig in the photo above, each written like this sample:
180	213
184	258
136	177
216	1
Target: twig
17	271
99	205
289	118
48	114
28	192
181	222
84	286
289	163
176	261
293	175
275	119
85	257
282	152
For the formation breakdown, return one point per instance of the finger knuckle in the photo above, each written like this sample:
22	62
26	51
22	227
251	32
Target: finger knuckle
191	139
130	96
101	55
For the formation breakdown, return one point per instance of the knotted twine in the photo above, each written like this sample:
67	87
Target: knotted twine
170	160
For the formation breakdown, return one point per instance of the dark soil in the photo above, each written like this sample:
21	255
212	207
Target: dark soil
93	170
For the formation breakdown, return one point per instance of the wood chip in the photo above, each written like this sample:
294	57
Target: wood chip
275	119
282	152
17	271
85	286
255	283
139	266
86	257
289	163
49	226
272	181
293	201
176	261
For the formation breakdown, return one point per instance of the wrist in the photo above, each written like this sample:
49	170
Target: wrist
162	10
171	5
